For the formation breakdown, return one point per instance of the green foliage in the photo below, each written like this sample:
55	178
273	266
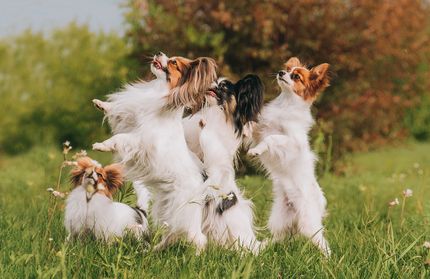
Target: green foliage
47	84
367	238
418	120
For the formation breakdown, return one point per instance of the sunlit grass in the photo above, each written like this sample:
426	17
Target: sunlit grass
369	238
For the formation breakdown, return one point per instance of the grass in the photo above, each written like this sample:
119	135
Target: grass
368	239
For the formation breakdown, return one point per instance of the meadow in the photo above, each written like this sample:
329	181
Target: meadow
369	239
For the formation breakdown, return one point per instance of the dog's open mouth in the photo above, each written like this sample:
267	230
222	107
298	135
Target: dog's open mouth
157	64
212	93
281	79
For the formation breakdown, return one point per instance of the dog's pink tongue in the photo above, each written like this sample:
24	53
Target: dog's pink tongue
212	93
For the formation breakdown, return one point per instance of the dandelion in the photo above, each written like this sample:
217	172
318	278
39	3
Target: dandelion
394	202
426	244
407	193
416	165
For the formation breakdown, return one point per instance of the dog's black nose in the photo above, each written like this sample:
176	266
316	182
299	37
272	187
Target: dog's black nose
281	73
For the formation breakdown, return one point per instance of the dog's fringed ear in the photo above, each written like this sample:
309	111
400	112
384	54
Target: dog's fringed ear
78	172
249	93
196	80
320	74
319	80
114	178
291	63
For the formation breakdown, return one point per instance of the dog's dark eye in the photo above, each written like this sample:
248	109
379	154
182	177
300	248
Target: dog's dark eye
174	62
295	76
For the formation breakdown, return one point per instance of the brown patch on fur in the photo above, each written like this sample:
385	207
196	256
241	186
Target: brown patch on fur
229	108
112	176
293	62
308	83
176	67
109	176
189	80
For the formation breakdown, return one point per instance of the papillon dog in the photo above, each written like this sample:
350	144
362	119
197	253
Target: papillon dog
90	208
215	133
155	151
282	145
122	108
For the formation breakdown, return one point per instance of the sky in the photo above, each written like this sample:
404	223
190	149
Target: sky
45	15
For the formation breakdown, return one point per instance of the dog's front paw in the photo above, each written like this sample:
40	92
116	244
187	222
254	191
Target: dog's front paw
254	152
103	106
100	146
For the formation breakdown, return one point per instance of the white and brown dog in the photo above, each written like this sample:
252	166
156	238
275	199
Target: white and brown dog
155	153
282	145
90	208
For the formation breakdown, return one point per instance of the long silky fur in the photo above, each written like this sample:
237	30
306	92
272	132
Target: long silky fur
249	101
196	79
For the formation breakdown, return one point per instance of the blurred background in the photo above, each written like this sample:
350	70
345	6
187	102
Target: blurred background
57	55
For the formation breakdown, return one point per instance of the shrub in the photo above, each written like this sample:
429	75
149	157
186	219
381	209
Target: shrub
47	84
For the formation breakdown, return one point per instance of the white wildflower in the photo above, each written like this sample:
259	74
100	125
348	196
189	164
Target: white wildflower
394	202
70	163
66	147
80	154
426	244
407	193
58	194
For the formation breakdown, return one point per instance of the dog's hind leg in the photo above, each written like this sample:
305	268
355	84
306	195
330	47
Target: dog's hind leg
281	219
310	225
167	239
239	221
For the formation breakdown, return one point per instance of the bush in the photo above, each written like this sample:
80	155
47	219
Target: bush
418	120
47	85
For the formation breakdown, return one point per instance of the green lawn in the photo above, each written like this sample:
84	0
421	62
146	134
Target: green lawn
368	239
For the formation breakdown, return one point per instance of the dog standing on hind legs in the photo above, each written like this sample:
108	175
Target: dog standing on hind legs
155	153
215	134
282	145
